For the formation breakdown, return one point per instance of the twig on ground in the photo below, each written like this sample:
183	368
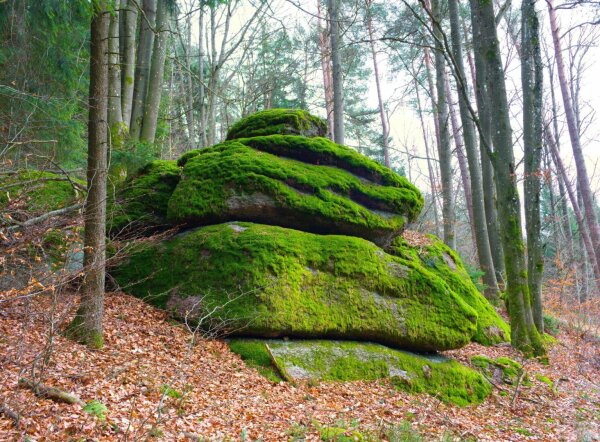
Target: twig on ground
53	393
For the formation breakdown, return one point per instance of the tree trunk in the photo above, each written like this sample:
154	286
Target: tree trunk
484	251
444	150
382	116
487	171
337	74
325	52
115	117
524	334
532	85
202	86
142	71
86	327
157	73
582	175
128	15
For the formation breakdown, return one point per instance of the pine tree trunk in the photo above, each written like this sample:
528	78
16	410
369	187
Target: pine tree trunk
524	334
142	71
484	252
531	81
115	117
444	149
86	327
128	16
325	53
337	75
382	116
157	72
582	175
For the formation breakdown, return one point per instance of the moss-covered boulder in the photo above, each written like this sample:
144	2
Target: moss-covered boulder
268	281
236	181
436	257
350	361
141	204
278	121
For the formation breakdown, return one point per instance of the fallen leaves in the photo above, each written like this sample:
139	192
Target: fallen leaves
153	383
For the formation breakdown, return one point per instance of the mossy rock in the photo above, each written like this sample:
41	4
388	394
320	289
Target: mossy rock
232	181
278	121
439	259
501	369
269	281
38	192
350	361
141	204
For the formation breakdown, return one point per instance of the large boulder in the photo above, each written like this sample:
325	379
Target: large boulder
269	281
236	181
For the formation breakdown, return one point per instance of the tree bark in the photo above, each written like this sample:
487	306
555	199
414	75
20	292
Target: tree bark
202	86
115	116
128	16
524	334
384	124
325	52
157	72
337	74
86	327
142	71
582	175
532	85
444	149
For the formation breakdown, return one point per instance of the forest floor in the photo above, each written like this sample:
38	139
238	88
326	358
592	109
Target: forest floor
151	382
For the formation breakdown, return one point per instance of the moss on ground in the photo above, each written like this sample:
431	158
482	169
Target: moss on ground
442	261
291	283
507	369
278	121
349	361
38	191
143	200
255	355
234	182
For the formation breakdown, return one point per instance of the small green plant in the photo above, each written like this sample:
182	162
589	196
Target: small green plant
297	432
475	274
170	392
403	432
551	324
96	409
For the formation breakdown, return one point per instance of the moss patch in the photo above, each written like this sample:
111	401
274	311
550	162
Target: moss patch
37	191
255	355
442	261
349	361
278	121
234	182
143	200
502	368
291	283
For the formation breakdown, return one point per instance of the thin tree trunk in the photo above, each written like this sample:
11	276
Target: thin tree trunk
86	327
202	86
582	175
444	150
337	75
129	15
325	50
142	71
482	242
524	334
532	85
157	73
382	116
115	117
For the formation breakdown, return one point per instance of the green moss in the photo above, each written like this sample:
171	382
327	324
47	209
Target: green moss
439	259
350	361
234	182
144	199
41	191
76	332
505	368
278	121
546	380
292	283
255	355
